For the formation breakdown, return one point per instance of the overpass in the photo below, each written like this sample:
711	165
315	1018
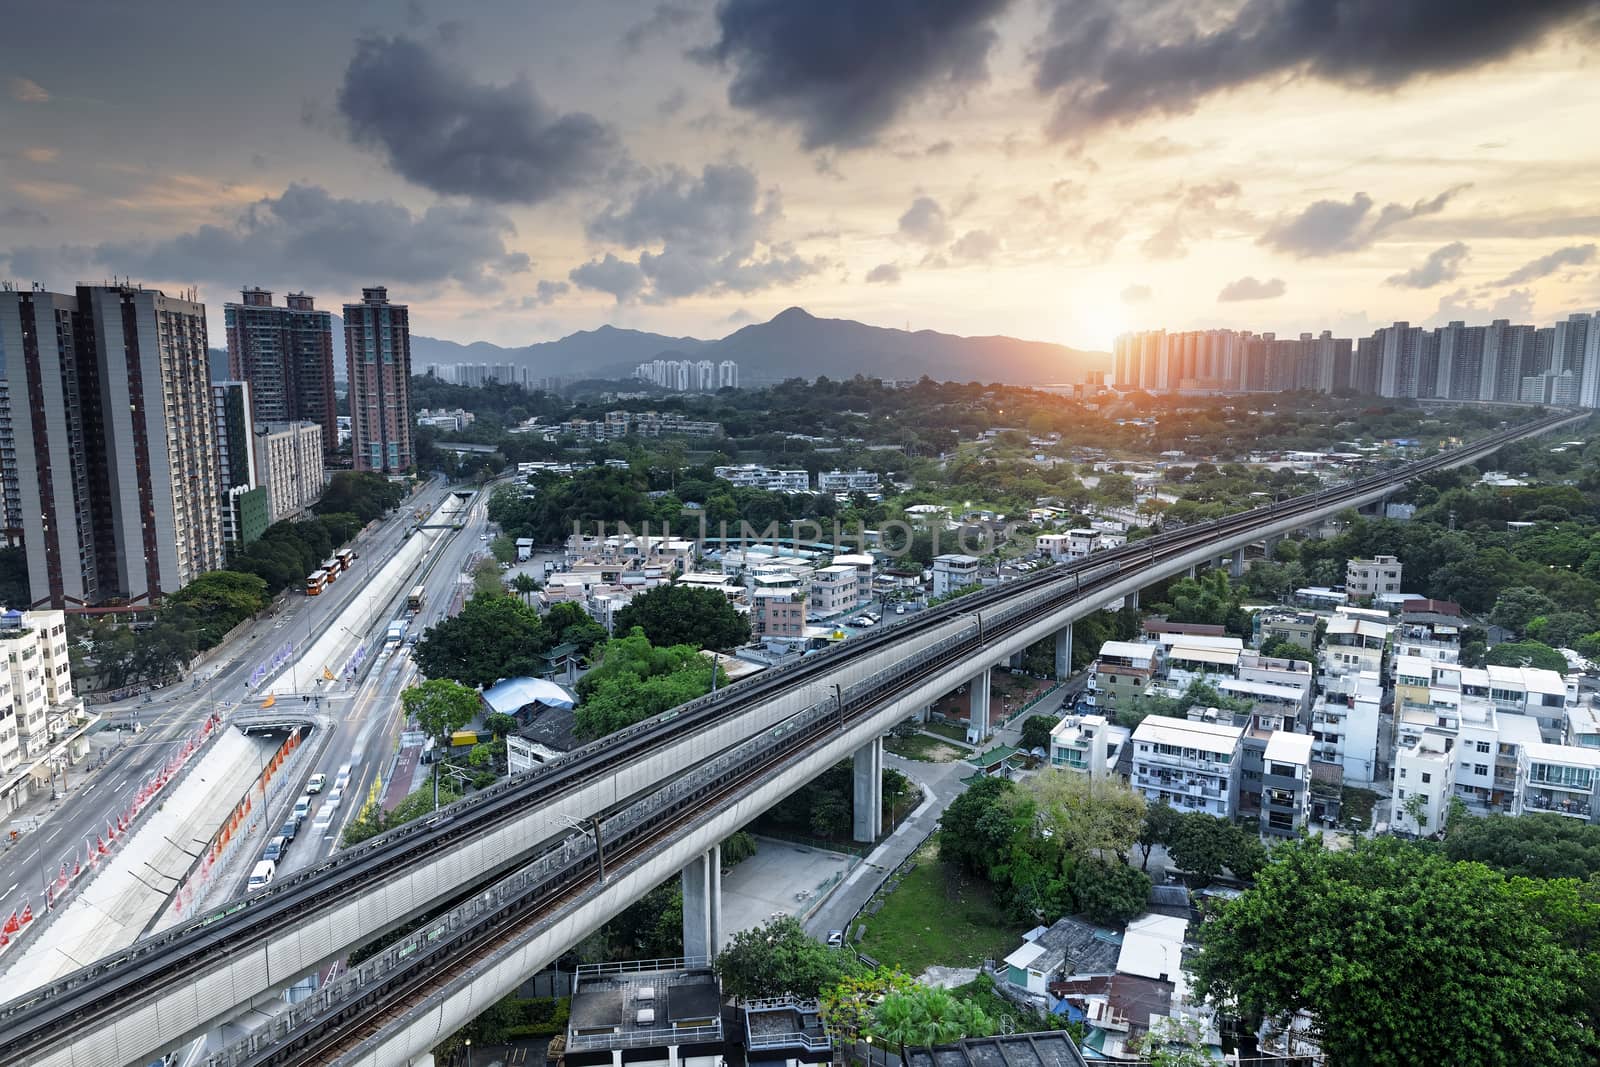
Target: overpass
505	880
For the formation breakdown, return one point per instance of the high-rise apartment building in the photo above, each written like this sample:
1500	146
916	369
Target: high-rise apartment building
115	453
727	374
286	354
243	504
377	345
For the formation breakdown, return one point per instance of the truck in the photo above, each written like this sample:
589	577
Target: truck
524	549
397	631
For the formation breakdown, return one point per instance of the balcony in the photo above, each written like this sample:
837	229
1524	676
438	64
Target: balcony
1555	803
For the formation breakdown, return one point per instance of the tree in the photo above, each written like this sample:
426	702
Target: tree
504	549
684	615
364	494
492	638
1206	845
499	723
440	706
486	580
635	680
1173	1042
1083	814
1278	648
976	828
926	1015
1108	891
1527	654
1160	825
568	623
525	585
778	958
1402	956
1036	732
1517	606
1531	846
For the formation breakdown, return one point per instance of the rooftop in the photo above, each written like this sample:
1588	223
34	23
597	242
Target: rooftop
1167	731
1072	946
1049	1049
653	1003
1285	747
1129	650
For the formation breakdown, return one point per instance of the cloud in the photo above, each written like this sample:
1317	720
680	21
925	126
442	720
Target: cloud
1167	242
441	130
1442	265
714	232
41	155
545	293
843	70
1136	294
1112	61
1329	227
940	148
23	216
975	246
308	237
924	221
1515	306
662	21
738	317
618	277
1571	256
1249	288
1204	197
1163	148
1101	239
672	103
26	91
884	274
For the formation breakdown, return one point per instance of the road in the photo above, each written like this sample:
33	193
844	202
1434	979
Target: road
96	798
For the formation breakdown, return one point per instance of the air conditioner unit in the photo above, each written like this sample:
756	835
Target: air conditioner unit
646	994
646	1017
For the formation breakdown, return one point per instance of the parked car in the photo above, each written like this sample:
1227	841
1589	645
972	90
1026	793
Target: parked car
835	938
315	784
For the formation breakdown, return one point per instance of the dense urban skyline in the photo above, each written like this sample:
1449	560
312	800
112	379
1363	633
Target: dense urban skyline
1048	171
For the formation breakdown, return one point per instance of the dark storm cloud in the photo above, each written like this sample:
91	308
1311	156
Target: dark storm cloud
23	216
446	132
1329	227
1442	265
1250	288
884	274
312	238
1120	60
714	232
842	70
664	20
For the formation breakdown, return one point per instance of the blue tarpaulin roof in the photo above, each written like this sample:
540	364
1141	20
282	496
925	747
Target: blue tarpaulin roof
514	694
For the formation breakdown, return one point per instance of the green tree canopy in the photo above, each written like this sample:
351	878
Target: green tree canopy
635	680
364	494
568	623
1533	846
926	1015
440	706
684	615
779	957
1527	654
1206	845
493	637
1036	731
1402	956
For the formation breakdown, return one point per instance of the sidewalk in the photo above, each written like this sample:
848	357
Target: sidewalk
941	783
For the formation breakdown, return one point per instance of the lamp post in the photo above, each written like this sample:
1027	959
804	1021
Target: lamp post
469	1052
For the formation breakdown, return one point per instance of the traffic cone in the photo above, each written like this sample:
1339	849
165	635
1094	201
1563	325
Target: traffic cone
27	914
12	925
100	845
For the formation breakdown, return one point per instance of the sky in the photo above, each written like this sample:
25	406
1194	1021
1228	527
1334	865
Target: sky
1059	170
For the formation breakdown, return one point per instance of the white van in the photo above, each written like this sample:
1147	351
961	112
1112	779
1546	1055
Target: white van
302	807
262	876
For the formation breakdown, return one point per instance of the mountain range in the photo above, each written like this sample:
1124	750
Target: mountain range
794	344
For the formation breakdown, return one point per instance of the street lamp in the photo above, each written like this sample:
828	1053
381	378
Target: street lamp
469	1052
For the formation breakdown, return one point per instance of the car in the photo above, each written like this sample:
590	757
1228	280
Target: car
899	609
335	797
275	849
342	779
835	938
483	537
315	784
261	876
290	828
302	807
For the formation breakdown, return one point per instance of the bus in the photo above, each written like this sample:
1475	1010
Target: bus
414	599
347	557
331	567
315	581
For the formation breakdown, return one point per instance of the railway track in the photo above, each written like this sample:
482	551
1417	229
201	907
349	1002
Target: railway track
96	994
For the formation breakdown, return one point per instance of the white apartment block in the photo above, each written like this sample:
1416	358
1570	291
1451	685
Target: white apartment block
289	465
1088	744
1355	643
1192	766
1430	635
1559	779
834	589
953	571
1344	720
1423	775
37	700
1286	783
1370	577
837	481
755	476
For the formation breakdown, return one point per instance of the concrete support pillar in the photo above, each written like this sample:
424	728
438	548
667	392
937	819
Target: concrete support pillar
978	715
1064	653
1133	600
1016	660
702	904
1236	564
1194	570
868	791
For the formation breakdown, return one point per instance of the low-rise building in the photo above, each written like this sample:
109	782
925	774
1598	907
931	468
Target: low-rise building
856	481
755	476
785	1032
1345	719
1430	635
1088	744
660	1012
777	613
1120	674
1355	643
37	700
954	571
1069	947
1192	766
1424	782
1559	779
1286	784
834	589
1367	578
1287	624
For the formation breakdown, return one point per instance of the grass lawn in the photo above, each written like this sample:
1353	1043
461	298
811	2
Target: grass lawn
924	748
934	917
946	729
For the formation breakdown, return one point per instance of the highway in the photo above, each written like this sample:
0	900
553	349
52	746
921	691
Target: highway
173	713
507	856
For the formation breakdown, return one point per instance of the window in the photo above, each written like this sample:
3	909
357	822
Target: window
1426	777
1401	793
1480	768
1402	772
1483	748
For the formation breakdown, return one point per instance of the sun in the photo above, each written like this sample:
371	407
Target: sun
1094	322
